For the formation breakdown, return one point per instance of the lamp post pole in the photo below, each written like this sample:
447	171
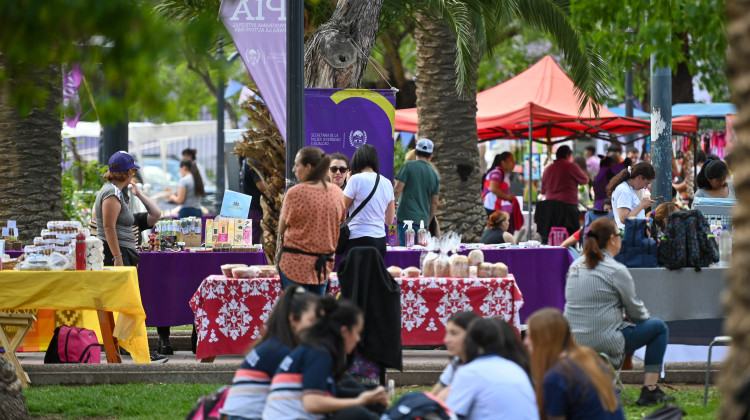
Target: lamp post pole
295	84
629	81
220	184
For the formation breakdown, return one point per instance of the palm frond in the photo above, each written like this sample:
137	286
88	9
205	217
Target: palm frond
590	73
186	10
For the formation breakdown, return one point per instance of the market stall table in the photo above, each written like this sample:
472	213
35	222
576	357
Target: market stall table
229	313
539	272
106	291
688	301
169	279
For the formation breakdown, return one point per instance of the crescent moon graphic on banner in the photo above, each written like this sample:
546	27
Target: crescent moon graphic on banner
371	96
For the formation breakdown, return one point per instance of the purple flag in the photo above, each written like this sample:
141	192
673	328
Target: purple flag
71	102
341	120
258	28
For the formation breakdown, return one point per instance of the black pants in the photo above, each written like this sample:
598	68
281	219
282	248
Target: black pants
354	413
378	243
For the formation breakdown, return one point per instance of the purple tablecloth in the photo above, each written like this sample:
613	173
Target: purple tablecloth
539	272
14	254
169	279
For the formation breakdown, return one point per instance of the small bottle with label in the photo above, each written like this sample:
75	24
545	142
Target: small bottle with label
409	234
422	234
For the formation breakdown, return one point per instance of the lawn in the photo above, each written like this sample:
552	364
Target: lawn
173	401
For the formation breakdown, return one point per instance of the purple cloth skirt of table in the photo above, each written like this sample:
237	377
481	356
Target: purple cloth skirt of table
13	254
539	272
169	279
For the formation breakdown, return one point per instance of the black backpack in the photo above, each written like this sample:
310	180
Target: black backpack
418	406
687	242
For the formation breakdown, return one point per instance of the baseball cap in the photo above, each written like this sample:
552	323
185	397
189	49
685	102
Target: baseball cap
121	162
425	145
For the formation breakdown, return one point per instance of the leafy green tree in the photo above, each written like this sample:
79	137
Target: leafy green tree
119	44
688	36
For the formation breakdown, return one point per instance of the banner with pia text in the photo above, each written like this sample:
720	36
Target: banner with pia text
258	28
342	120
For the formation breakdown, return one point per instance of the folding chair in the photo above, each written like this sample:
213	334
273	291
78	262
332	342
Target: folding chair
723	340
617	382
23	322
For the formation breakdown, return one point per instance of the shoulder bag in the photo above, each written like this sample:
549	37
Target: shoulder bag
344	226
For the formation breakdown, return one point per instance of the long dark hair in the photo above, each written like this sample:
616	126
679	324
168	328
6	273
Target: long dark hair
643	169
494	335
496	163
712	169
294	301
320	162
463	319
366	155
600	231
326	332
197	180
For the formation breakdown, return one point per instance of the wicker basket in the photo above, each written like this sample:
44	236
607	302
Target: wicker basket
10	264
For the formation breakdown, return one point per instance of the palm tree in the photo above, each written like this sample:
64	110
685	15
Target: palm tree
450	40
737	366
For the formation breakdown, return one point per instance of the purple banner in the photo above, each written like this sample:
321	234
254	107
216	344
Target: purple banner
71	102
258	28
341	120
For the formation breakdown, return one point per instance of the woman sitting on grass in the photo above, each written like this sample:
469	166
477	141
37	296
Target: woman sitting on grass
304	385
455	334
494	383
571	382
294	312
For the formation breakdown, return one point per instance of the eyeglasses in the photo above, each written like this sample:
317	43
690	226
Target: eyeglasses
342	169
620	234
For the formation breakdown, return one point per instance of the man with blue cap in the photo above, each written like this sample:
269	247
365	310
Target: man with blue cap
416	189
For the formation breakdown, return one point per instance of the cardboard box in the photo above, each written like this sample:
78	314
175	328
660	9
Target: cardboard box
209	229
247	232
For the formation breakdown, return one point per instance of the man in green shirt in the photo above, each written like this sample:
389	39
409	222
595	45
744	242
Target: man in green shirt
416	189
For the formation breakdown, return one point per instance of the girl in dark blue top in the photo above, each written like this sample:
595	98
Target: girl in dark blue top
571	381
294	311
304	384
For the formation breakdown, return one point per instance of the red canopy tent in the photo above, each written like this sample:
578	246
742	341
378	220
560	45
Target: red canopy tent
545	98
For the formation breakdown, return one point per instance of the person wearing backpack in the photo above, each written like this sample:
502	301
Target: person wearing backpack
622	189
294	311
605	314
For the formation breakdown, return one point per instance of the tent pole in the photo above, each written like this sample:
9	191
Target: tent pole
531	175
695	167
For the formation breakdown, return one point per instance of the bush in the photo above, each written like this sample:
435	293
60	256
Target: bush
78	198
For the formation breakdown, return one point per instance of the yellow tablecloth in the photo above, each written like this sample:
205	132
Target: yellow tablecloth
116	288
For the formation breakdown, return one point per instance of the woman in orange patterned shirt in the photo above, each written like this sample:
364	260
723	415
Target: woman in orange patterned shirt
309	223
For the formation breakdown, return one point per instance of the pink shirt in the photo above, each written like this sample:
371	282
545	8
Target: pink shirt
561	179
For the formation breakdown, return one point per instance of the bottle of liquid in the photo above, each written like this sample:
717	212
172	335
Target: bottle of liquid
725	247
421	234
81	252
409	234
392	233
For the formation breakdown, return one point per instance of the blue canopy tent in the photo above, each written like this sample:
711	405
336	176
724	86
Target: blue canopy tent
637	113
716	110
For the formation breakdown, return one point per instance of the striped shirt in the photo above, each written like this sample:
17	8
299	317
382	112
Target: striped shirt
595	301
247	396
305	370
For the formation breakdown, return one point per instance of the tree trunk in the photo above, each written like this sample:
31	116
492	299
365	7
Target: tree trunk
736	370
682	80
336	54
450	122
31	185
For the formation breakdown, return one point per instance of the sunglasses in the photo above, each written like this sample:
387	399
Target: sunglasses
620	234
342	169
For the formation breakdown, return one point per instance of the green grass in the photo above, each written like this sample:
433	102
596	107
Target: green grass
179	327
173	401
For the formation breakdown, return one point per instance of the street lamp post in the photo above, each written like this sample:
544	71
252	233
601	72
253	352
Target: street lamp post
629	80
220	179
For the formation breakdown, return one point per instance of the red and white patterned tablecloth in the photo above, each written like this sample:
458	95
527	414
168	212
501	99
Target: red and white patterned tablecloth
229	313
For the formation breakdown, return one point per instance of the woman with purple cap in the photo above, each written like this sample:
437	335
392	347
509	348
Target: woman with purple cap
115	221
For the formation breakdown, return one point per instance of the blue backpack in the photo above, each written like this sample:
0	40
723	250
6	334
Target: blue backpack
638	248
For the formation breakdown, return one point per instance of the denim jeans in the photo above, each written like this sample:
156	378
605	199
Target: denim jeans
653	334
189	211
318	289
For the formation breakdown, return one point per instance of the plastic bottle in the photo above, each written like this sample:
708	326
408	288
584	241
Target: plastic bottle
392	233
421	234
81	251
409	234
725	247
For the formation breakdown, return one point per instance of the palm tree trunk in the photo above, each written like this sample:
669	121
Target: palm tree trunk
737	367
336	54
31	181
450	122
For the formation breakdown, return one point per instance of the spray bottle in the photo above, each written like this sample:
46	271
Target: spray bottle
409	234
421	234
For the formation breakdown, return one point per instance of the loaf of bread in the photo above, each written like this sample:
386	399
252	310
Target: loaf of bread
411	272
460	266
484	270
442	267
476	257
226	269
499	270
395	271
428	268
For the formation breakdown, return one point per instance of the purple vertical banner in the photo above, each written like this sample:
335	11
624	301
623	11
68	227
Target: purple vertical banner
71	101
341	120
258	28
